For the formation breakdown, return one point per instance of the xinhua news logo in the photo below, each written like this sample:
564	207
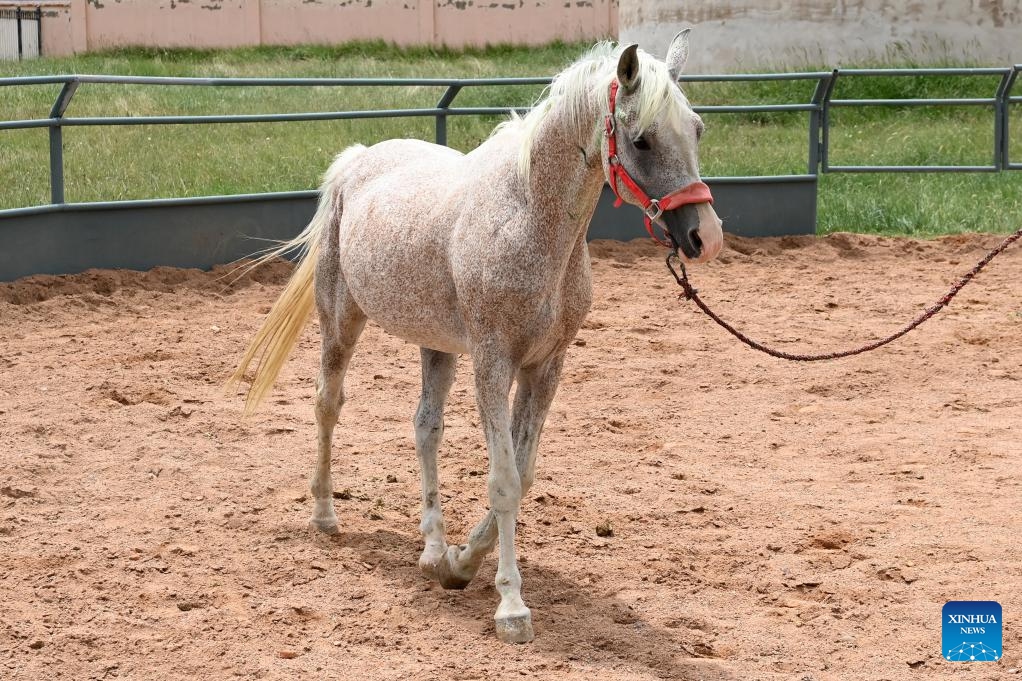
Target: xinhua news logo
971	631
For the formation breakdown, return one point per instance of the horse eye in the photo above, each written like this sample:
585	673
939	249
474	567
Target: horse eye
700	129
640	143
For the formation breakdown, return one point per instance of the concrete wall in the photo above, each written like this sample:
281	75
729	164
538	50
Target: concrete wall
73	26
737	35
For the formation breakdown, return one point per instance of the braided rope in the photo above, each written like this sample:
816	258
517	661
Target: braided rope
691	294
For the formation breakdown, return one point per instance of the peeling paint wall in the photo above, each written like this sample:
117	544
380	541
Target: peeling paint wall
295	22
171	23
735	35
474	22
80	25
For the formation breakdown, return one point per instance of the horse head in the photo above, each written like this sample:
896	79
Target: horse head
651	149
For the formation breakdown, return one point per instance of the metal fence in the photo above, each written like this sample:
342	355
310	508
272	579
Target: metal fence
823	103
818	108
21	33
750	205
999	102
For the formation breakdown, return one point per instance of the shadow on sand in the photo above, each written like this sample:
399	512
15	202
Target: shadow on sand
572	622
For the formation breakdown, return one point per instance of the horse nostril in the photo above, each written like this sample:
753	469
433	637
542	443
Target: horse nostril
697	243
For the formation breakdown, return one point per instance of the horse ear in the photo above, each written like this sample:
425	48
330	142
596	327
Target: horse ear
677	54
628	68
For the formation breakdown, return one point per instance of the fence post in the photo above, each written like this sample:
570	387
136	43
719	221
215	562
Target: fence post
821	93
1001	118
825	121
441	118
815	115
17	23
57	141
39	30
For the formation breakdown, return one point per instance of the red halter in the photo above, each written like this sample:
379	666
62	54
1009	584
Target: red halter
697	192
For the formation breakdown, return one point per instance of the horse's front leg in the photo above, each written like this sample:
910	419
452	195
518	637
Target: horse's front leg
494	375
533	397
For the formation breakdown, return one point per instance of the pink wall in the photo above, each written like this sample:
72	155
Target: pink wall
72	26
171	23
293	22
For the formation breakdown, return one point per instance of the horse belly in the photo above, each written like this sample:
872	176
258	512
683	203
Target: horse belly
406	299
427	335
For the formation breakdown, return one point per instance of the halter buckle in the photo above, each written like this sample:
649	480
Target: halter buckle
653	211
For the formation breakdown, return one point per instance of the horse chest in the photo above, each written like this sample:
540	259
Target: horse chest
545	319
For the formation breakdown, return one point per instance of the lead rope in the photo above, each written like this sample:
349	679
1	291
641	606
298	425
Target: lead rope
691	294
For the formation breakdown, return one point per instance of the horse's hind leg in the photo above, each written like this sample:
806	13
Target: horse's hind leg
438	370
340	323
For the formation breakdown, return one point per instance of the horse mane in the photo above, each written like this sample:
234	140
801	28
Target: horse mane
587	82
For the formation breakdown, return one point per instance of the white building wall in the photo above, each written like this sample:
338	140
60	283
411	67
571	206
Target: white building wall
740	35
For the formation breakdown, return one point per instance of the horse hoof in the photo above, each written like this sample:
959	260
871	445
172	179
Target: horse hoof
324	525
515	629
441	568
429	564
447	578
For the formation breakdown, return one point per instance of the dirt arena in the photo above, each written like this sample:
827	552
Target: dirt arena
770	520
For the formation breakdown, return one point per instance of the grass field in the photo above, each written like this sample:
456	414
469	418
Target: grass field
107	163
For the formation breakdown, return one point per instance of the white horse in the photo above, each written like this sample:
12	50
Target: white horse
485	254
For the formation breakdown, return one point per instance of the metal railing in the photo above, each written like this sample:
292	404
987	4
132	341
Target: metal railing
57	119
818	108
999	101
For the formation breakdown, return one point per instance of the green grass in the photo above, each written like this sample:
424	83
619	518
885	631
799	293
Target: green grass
109	163
926	204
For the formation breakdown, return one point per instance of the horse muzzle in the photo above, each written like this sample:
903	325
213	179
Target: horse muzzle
696	231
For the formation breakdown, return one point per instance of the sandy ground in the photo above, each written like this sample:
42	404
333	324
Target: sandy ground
770	520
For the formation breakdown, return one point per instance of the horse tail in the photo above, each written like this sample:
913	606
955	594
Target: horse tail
289	315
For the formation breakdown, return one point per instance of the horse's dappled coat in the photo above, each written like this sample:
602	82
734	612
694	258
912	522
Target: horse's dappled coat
483	254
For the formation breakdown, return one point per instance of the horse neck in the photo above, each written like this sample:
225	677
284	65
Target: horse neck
565	179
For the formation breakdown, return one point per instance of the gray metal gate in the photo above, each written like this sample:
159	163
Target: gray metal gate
21	33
